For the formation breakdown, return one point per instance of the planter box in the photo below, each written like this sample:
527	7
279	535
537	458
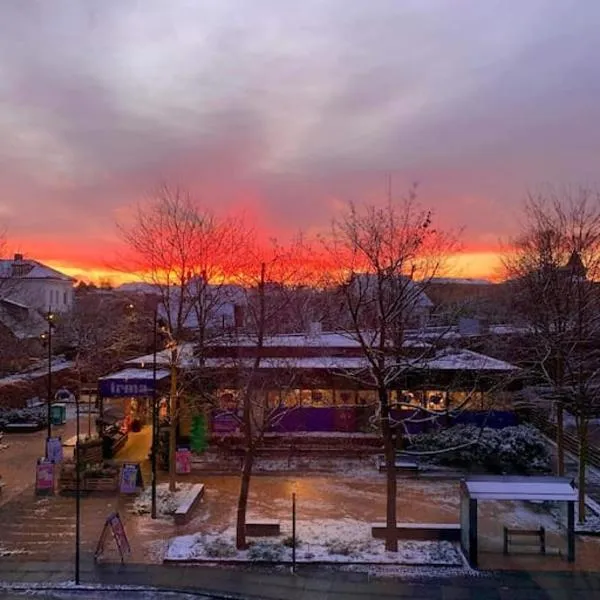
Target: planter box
266	528
101	484
90	452
184	511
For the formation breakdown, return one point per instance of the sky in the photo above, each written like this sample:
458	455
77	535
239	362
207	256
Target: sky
288	110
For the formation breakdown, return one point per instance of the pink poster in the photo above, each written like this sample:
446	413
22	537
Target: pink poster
45	476
183	462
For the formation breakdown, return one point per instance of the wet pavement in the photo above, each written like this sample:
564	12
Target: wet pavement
41	529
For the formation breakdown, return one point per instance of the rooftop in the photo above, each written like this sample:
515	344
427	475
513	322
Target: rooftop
540	488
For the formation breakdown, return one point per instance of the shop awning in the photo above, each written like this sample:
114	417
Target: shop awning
129	382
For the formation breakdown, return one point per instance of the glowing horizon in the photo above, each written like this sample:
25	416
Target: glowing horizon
476	264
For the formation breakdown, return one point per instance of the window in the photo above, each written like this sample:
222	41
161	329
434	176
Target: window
65	298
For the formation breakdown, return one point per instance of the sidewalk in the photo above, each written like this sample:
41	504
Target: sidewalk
311	584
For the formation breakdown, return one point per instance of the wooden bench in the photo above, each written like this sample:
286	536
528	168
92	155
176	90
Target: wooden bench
184	511
264	528
402	466
538	534
422	532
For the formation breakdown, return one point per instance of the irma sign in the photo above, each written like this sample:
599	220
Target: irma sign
116	388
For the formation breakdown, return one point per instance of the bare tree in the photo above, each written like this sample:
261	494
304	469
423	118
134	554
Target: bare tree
176	247
383	257
270	278
553	268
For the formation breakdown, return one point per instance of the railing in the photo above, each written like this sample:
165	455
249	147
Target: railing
570	441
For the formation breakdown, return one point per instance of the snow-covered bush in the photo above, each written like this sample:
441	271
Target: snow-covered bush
219	548
36	415
288	542
166	502
512	450
265	551
341	547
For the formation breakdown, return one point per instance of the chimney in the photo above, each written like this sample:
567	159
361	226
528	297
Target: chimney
18	257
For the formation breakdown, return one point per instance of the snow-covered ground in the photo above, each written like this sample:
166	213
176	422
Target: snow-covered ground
320	540
166	502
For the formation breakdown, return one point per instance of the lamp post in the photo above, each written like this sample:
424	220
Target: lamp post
77	497
154	414
48	336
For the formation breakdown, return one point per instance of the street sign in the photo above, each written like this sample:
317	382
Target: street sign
114	524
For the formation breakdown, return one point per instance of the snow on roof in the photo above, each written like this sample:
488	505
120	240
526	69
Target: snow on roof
185	357
57	366
465	360
460	281
328	363
318	340
539	488
136	374
37	270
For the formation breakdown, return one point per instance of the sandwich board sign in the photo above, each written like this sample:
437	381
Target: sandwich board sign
44	477
54	449
131	478
114	525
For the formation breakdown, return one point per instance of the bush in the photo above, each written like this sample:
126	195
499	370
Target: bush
341	547
219	548
36	415
288	542
265	551
512	450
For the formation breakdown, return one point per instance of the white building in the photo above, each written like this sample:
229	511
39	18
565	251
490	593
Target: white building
35	285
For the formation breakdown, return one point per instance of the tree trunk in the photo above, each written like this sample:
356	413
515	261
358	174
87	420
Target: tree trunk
173	428
391	539
583	455
240	538
560	441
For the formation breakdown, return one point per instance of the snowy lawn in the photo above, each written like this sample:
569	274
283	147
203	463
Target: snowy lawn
335	541
166	502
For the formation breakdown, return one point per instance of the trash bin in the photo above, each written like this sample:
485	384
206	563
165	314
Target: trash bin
58	413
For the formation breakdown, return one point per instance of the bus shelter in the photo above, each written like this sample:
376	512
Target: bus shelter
479	488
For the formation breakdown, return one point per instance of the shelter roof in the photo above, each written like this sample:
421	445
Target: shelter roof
538	488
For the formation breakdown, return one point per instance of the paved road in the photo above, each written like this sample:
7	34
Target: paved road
314	584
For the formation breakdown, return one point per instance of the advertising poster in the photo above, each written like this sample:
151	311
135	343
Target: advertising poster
44	480
129	478
183	461
54	450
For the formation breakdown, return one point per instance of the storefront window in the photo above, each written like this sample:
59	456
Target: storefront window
228	399
291	398
366	397
274	398
345	397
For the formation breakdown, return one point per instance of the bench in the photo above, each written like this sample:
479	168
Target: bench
422	532
538	534
23	427
402	466
265	528
184	511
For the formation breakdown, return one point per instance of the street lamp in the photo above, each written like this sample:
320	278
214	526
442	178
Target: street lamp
154	450
154	413
77	495
48	337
